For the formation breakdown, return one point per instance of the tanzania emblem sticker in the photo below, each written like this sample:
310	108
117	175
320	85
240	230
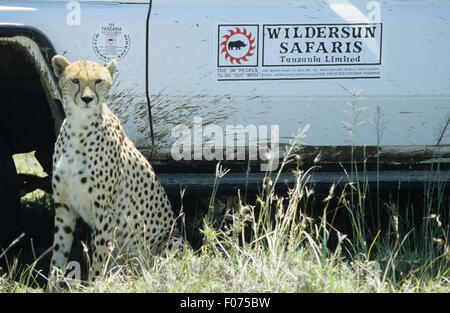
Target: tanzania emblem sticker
238	45
111	41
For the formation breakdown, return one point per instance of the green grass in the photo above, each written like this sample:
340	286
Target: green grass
26	163
273	245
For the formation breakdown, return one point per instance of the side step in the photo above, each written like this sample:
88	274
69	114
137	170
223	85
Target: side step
231	182
202	183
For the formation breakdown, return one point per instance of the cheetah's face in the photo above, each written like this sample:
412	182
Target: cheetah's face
84	84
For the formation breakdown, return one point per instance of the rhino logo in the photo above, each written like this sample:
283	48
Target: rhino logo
238	44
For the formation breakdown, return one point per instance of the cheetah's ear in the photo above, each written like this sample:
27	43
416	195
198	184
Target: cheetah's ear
112	66
59	63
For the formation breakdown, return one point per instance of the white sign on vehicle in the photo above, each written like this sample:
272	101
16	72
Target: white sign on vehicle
299	51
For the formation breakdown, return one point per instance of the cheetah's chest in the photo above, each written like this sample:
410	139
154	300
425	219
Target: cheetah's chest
74	183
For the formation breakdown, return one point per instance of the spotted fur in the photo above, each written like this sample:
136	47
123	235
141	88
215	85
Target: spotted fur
100	176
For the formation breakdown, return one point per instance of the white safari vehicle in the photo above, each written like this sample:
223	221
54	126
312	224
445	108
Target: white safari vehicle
202	81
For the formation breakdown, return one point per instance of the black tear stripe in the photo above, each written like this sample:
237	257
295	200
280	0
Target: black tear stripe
96	94
75	97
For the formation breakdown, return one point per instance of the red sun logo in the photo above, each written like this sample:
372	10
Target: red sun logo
238	45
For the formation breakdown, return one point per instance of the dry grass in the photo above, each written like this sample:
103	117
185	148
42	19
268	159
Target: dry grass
274	246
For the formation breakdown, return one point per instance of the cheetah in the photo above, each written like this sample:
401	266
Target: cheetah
100	176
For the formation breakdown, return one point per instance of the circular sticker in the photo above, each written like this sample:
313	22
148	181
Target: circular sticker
238	44
111	41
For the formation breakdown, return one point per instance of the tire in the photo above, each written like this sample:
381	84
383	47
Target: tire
9	197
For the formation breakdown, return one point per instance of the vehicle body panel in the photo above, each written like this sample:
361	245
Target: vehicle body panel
404	113
75	42
410	103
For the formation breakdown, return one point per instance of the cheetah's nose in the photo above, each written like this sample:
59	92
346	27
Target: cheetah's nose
87	99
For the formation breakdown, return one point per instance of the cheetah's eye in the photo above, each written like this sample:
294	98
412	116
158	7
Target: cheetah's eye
98	81
75	80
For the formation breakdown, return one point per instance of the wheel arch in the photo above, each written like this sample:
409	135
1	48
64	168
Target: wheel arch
32	107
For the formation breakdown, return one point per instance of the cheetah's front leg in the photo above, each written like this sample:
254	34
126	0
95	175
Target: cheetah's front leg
65	221
103	243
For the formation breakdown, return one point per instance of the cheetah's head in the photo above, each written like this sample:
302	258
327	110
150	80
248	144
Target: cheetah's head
84	84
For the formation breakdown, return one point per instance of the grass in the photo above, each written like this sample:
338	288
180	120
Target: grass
349	240
26	163
274	246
